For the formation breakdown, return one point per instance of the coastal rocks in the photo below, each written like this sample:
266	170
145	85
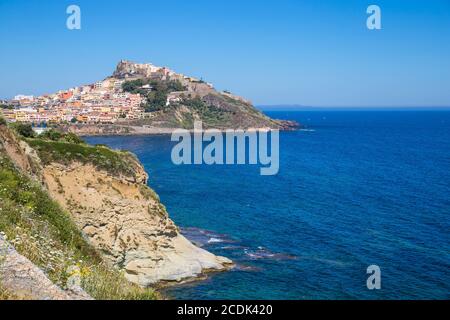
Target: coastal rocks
20	277
125	220
97	129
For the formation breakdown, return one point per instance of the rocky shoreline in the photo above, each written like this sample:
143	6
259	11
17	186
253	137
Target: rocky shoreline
128	130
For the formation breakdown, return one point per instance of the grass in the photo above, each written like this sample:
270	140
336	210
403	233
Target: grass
115	162
6	295
210	115
65	148
43	232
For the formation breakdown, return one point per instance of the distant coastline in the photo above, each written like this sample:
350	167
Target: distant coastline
139	99
127	130
294	107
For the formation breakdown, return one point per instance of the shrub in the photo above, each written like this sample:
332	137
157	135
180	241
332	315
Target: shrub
2	121
55	135
51	134
157	97
73	138
24	129
133	86
115	162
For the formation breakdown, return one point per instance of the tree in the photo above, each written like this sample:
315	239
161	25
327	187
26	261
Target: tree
51	134
134	86
176	85
157	97
73	138
24	129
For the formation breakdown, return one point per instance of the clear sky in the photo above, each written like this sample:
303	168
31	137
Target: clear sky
313	53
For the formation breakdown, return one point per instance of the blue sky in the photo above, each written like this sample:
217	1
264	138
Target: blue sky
313	53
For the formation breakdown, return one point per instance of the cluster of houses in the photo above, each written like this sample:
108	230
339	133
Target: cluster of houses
102	102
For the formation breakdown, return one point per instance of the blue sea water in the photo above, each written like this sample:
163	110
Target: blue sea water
355	188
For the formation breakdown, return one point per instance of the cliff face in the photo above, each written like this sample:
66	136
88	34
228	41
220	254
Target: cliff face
127	223
115	210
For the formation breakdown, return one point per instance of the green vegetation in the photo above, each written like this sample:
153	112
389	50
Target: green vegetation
55	135
43	232
2	121
6	106
56	146
210	115
135	86
23	129
115	162
157	94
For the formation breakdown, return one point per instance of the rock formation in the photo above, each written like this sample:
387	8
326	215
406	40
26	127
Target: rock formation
125	220
219	110
119	215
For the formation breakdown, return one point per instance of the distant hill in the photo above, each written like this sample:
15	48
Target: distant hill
174	100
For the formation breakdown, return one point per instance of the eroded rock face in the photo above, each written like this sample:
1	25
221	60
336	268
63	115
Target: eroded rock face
125	220
120	216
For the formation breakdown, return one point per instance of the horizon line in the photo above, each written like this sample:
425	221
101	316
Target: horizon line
294	106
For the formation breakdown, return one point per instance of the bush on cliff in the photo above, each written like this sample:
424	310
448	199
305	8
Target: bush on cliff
55	135
114	162
23	129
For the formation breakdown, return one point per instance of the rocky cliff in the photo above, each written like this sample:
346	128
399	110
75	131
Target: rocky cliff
198	100
106	194
125	220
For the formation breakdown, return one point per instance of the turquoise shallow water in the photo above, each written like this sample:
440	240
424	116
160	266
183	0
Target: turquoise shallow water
355	189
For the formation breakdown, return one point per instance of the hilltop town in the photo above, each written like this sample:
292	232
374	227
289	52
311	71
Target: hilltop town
138	97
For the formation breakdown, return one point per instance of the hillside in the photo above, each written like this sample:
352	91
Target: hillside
176	101
139	99
67	203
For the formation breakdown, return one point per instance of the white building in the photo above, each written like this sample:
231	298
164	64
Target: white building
23	97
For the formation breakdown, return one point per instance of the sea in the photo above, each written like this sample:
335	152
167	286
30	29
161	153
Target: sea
355	188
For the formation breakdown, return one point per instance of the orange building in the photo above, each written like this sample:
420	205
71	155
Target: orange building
66	95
